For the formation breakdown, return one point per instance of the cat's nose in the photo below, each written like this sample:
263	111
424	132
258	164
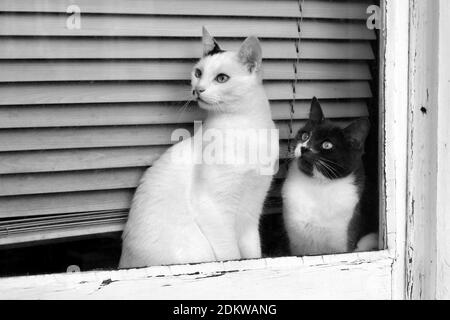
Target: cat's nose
199	90
304	150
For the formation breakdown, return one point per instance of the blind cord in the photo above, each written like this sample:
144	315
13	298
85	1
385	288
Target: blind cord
296	67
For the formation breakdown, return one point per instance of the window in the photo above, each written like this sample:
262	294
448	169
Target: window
86	110
89	98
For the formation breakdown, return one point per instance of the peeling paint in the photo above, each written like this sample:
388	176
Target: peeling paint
105	283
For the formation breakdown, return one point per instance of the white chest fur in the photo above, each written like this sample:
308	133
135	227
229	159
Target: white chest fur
317	212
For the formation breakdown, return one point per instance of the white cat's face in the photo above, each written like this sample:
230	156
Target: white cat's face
222	78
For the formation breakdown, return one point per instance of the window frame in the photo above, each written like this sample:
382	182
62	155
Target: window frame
373	275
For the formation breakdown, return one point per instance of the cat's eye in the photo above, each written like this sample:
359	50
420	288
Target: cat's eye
221	78
197	73
305	136
327	145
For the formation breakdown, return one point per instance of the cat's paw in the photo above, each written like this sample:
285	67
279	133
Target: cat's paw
367	243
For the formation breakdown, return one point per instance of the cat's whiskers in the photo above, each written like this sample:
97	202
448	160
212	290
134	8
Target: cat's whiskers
218	106
335	173
331	162
182	109
328	168
322	169
185	105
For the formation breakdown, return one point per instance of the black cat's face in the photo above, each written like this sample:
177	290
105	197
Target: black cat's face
324	149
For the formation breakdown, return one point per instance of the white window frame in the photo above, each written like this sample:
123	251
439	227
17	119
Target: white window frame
386	274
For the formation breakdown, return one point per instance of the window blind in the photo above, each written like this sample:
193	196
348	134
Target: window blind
84	112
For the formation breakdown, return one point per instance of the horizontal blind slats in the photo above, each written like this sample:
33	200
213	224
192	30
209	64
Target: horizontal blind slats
33	222
42	93
150	113
47	204
40	183
262	8
91	137
66	203
74	181
85	159
101	137
158	26
77	129
166	70
71	160
25	184
58	232
126	48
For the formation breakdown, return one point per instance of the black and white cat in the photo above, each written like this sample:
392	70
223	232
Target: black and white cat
188	211
323	191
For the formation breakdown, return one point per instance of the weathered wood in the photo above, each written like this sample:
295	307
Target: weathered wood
443	165
428	270
351	276
422	150
395	136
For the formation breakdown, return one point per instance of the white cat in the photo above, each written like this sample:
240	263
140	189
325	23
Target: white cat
190	212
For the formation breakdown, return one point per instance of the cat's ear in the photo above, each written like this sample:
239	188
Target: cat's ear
356	133
210	46
250	54
316	113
